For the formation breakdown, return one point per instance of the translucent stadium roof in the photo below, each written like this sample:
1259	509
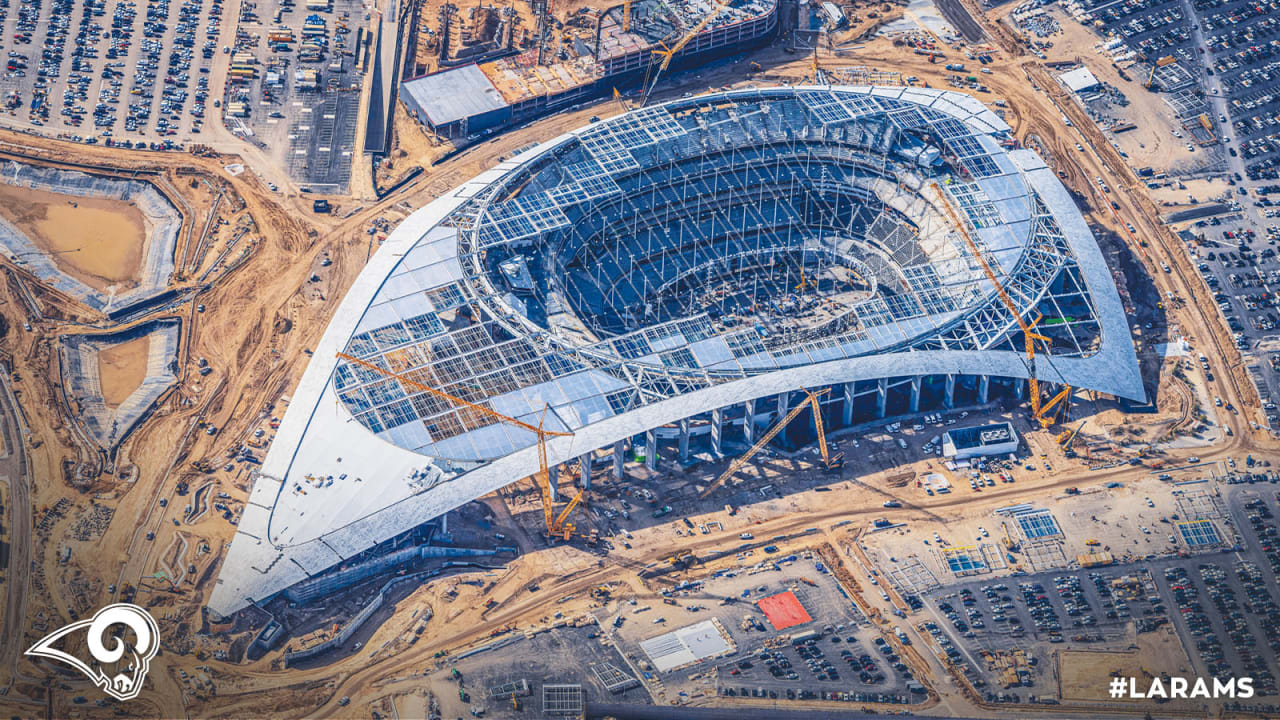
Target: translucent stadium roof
663	263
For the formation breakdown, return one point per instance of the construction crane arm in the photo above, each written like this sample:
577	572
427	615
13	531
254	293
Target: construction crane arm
452	398
668	53
737	464
1028	328
564	514
543	480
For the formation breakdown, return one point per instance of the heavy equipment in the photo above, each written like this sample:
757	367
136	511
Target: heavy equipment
556	526
1151	78
1040	411
811	401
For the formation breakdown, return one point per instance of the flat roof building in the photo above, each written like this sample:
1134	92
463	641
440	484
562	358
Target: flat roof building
979	441
1079	80
455	102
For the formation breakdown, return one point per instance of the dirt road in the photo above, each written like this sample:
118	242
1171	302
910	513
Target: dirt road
13	468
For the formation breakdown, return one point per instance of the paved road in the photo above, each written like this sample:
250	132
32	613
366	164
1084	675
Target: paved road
13	466
958	16
744	712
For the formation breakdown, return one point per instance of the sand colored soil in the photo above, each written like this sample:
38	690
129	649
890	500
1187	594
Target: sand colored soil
1085	673
1202	190
95	240
122	368
1152	142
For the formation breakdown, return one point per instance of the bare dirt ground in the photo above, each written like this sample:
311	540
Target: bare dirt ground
122	368
1190	193
1083	674
95	240
1152	142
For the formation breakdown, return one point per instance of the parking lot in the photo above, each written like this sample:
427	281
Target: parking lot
294	86
120	72
1222	607
1239	34
837	655
1242	269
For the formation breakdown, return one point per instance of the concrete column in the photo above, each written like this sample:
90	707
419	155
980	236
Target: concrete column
584	470
915	394
984	386
784	404
949	393
444	524
717	431
882	397
684	440
847	416
553	479
749	422
619	458
1019	388
651	449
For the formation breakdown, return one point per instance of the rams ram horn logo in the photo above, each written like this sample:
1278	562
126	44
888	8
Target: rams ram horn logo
121	666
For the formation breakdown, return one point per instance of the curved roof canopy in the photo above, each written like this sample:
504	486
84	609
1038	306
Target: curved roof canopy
660	264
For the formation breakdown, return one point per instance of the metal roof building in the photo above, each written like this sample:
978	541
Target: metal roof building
1079	80
455	101
687	265
979	441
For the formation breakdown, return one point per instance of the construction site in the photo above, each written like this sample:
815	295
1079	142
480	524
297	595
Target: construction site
852	363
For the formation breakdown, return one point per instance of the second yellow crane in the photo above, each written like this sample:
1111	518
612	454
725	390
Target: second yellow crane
811	402
667	53
557	527
1039	411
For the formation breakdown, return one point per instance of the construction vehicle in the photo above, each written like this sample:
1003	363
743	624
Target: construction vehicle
1040	411
1010	544
829	460
555	526
561	529
1151	78
1207	124
1070	438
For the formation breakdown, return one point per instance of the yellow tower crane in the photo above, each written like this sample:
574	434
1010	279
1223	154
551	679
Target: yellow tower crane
667	53
831	461
556	526
1039	411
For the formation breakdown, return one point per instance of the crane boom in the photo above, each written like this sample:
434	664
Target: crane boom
667	53
812	402
543	479
1029	334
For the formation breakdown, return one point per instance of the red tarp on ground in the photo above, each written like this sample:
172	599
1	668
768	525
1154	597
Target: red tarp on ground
783	610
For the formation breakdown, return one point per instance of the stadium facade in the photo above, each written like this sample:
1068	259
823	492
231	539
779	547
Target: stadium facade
672	277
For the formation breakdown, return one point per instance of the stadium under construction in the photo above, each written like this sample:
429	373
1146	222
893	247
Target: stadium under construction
670	279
